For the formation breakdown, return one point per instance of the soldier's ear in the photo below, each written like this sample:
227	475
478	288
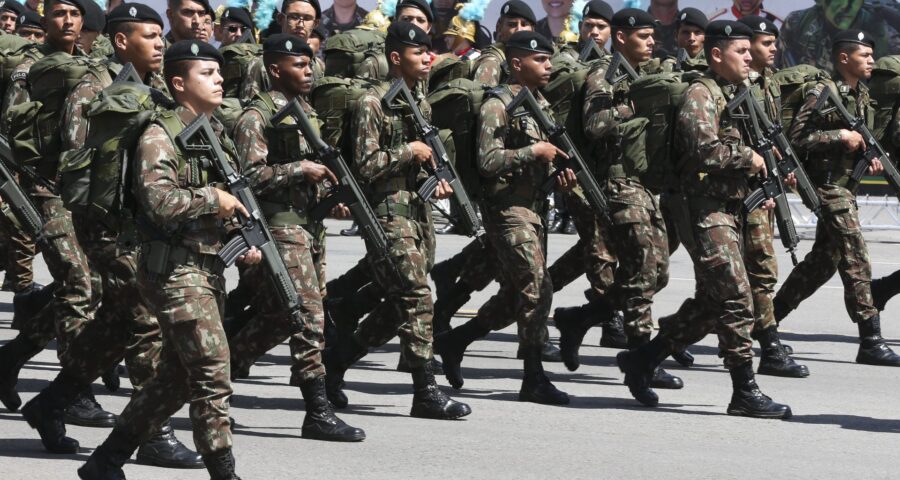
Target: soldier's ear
515	63
119	40
394	57
274	71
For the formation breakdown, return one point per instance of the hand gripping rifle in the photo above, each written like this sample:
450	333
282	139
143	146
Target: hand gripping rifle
25	212
745	107
559	137
467	221
873	148
199	137
617	63
347	191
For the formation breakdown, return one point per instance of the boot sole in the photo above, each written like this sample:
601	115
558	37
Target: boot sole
415	414
11	401
32	422
781	373
740	412
530	399
106	423
864	361
329	438
159	462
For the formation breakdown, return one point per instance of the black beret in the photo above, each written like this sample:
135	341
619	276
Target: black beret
12	6
633	18
853	36
48	4
207	7
406	33
598	9
29	18
239	15
760	25
314	3
133	12
286	44
530	42
420	4
728	29
192	50
692	16
94	17
518	9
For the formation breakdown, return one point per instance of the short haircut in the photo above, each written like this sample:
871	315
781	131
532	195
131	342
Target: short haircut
124	28
178	68
721	43
844	47
286	3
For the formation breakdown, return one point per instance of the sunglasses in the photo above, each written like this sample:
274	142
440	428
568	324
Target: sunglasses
235	28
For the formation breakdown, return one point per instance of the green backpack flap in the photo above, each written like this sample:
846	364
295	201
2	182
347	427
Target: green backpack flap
35	125
229	112
12	52
455	107
794	83
335	100
345	51
884	89
449	68
238	57
102	48
649	137
95	179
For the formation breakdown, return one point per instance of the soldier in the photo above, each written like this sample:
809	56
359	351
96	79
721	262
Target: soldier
123	325
666	12
186	19
594	24
491	68
10	11
180	224
286	183
341	16
831	152
514	159
416	12
71	307
716	164
388	159
637	231
689	36
234	22
807	35
29	26
92	40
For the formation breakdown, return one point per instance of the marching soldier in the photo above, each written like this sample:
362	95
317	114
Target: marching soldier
689	36
186	20
491	68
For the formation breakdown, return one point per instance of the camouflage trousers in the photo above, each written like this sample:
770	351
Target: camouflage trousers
71	307
406	310
590	256
20	252
761	265
839	247
480	266
271	325
193	364
723	301
526	293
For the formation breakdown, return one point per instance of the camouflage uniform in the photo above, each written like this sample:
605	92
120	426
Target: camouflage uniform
512	210
329	22
271	161
839	244
257	79
697	63
490	68
185	289
664	37
637	231
20	252
714	180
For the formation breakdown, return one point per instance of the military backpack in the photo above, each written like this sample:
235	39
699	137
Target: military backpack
12	53
884	89
346	51
795	83
336	100
238	57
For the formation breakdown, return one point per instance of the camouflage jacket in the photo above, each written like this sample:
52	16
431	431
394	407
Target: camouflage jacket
173	194
817	138
490	68
270	158
664	36
511	174
331	26
767	92
697	63
715	157
257	80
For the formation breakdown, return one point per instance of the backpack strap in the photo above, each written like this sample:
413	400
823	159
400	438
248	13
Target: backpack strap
715	90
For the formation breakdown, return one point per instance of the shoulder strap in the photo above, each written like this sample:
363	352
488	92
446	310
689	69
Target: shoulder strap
715	90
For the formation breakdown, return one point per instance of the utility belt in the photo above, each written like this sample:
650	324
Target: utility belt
400	203
161	258
841	177
282	214
619	171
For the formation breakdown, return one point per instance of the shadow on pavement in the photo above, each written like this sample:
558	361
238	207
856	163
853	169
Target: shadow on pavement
32	448
851	422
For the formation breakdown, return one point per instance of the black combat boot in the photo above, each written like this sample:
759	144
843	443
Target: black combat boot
445	273
337	360
781	312
573	324
430	402
774	360
28	303
446	305
220	465
885	288
549	353
748	401
451	346
46	411
403	365
639	367
107	460
536	387
872	349
684	358
661	378
613	333
164	450
111	380
352	231
86	412
320	422
13	356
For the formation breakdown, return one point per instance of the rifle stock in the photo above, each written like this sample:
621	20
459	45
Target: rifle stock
617	63
24	211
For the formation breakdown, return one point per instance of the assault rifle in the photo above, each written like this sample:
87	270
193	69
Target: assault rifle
873	148
617	63
559	137
745	107
591	52
24	211
200	138
347	191
467	222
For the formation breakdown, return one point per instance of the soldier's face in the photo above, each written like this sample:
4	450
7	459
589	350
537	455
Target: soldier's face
508	26
414	16
143	47
859	63
201	87
231	31
733	61
597	29
299	18
188	20
34	34
206	29
691	39
294	74
636	45
63	23
763	49
747	7
414	62
532	70
7	21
